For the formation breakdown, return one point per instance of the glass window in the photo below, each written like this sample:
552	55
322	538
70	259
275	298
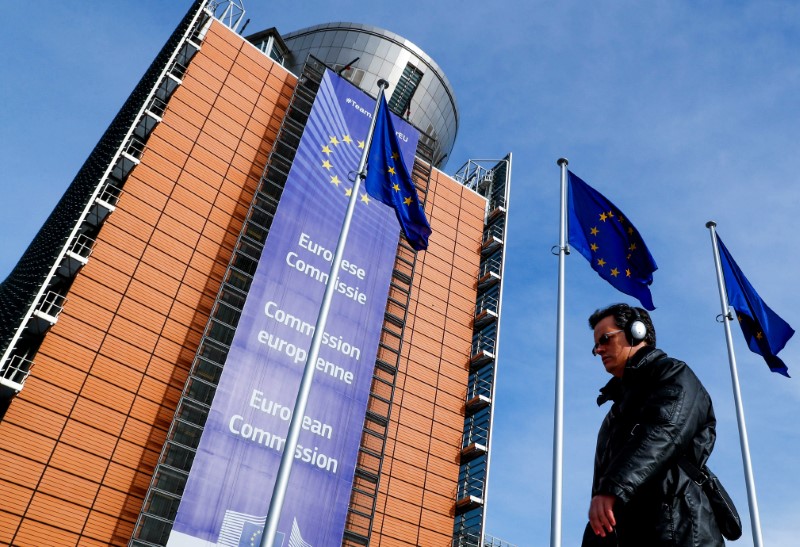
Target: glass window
404	91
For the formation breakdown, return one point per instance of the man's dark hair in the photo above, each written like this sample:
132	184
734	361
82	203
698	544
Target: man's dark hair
622	313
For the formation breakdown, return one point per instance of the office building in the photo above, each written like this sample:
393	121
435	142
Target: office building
117	322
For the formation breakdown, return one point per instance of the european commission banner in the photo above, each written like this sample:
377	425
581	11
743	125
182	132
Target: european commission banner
229	488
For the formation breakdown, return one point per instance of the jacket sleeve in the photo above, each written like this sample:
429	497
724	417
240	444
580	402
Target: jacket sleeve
662	428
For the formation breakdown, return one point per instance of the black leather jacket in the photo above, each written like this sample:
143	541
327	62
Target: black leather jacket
660	411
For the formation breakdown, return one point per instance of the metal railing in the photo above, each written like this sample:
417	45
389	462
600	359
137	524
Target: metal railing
52	304
493	231
475	435
82	246
478	387
473	175
467	539
491	541
16	371
483	343
491	266
470	486
486	302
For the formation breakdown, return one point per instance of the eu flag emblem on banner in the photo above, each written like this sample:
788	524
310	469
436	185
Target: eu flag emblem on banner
608	240
388	181
766	333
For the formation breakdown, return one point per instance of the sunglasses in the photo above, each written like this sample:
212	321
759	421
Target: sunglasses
604	339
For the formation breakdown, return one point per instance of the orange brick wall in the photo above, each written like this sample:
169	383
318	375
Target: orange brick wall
78	445
420	466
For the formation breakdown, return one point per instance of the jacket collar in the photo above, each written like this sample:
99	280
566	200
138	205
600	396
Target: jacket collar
643	357
636	370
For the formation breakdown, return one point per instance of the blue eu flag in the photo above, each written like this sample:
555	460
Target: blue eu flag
608	240
388	181
766	333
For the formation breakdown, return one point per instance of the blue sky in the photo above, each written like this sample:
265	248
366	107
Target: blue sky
679	112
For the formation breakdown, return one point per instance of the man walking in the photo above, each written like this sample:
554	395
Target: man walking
661	413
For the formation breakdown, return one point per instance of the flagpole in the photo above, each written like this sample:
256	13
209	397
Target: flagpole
558	425
727	317
287	459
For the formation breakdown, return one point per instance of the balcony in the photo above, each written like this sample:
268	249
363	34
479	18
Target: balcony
479	394
467	538
470	493
14	374
134	149
480	358
496	208
106	201
492	239
76	256
474	443
46	313
485	317
485	311
468	502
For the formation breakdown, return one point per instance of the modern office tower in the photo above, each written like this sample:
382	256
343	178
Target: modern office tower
117	323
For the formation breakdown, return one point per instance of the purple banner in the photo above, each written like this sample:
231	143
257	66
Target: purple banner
229	488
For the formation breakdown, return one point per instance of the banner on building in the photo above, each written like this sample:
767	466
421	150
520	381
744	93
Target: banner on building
227	495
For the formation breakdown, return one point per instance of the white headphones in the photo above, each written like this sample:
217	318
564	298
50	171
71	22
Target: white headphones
635	329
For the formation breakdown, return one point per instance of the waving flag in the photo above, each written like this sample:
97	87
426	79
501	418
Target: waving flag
766	333
388	181
609	241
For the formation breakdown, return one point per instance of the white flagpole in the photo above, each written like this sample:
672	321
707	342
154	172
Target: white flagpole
727	317
287	459
558	421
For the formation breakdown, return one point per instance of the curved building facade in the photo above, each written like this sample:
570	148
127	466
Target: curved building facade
418	89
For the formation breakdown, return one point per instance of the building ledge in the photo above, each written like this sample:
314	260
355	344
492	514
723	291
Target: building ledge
469	502
477	402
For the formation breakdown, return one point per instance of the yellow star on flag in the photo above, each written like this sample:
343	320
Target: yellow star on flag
365	198
601	262
392	171
594	247
595	231
408	200
327	165
603	217
361	144
396	187
326	149
348	192
334	141
335	180
614	272
347	139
